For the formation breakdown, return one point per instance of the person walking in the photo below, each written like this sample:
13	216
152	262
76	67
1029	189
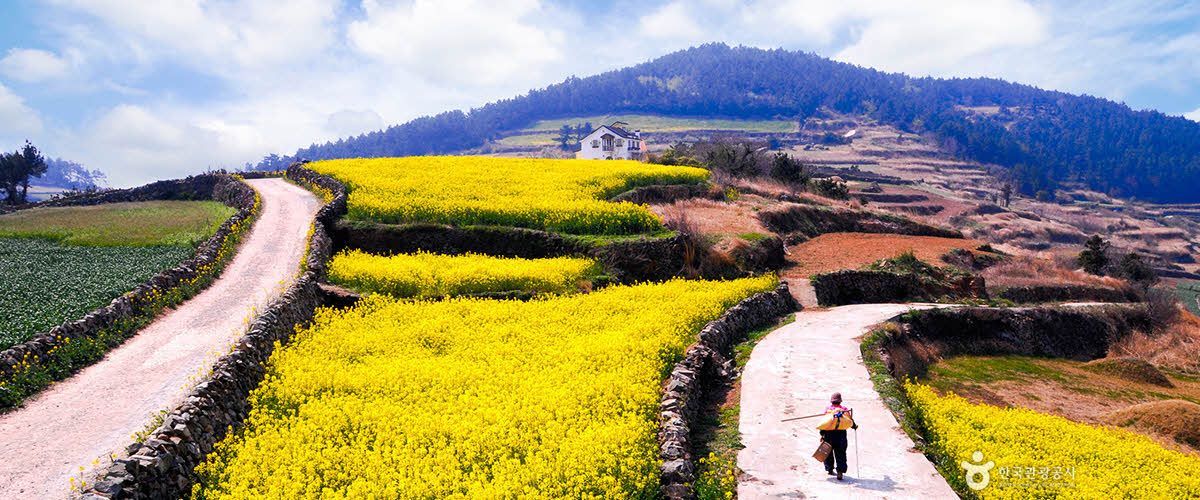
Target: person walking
833	431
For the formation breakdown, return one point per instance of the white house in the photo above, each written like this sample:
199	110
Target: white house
612	142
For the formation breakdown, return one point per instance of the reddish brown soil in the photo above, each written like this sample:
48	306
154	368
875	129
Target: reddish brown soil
837	251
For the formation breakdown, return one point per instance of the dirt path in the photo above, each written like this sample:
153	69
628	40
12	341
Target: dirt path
791	373
93	414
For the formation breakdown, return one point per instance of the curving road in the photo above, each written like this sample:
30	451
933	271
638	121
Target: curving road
58	434
791	373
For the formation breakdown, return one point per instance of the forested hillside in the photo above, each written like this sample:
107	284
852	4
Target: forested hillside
1045	137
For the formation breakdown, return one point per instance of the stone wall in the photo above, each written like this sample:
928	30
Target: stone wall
701	363
162	465
196	187
387	239
813	221
1064	293
1078	333
125	308
878	287
627	260
669	193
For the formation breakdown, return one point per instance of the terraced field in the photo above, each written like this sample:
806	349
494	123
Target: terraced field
566	196
553	398
57	264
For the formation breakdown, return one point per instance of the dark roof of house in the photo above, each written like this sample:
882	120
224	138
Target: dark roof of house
619	131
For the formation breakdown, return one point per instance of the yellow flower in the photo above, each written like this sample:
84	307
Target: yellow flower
464	398
1095	462
560	195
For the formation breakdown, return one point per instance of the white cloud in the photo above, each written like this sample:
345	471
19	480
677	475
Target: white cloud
133	144
346	123
16	118
1193	116
223	37
673	20
33	65
466	42
317	70
937	37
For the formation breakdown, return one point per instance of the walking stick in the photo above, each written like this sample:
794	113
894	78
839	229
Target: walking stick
857	457
801	418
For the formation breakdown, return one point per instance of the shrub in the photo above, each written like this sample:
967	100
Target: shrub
789	170
1094	256
1133	269
738	161
830	188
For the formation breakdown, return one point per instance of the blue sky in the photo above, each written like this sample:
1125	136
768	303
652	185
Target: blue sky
146	90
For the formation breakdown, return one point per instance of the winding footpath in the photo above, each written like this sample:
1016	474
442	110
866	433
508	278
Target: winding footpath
792	373
57	435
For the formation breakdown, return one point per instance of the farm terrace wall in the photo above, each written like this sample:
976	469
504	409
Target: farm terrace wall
1078	333
873	287
388	239
627	260
162	465
669	193
124	308
1063	293
196	187
813	221
701	363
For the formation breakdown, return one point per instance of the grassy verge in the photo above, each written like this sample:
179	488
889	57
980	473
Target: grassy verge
717	437
891	391
139	224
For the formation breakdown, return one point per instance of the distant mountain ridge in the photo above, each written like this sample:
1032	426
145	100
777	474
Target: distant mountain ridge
66	174
1045	138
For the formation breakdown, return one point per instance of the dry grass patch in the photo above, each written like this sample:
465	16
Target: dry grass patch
1176	347
1031	271
1174	418
712	217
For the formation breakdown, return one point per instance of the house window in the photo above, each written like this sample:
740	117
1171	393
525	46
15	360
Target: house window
620	143
595	143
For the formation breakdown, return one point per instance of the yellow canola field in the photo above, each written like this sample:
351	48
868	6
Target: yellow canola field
558	195
1037	455
425	274
467	398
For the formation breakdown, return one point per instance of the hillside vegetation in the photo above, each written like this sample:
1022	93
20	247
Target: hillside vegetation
1044	137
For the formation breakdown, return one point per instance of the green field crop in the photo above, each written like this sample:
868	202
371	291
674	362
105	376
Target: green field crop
1189	294
149	223
653	123
45	283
